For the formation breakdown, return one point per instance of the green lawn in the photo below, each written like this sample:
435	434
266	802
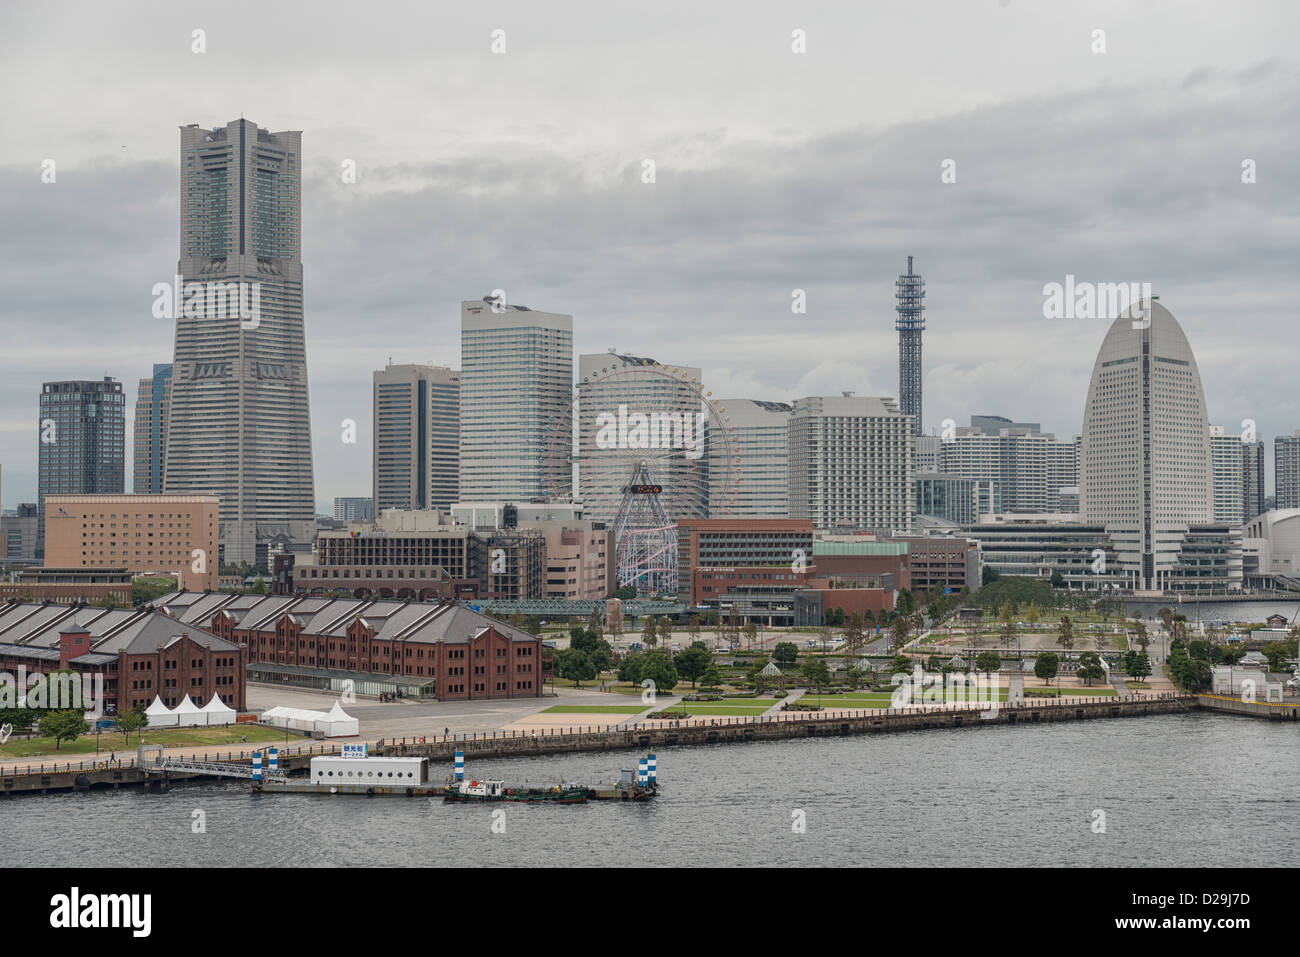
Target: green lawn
595	709
738	707
169	738
1075	692
882	699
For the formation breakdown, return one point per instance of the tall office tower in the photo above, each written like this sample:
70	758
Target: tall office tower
1227	470
760	438
349	508
240	425
1252	463
1286	470
851	464
82	442
616	388
417	437
909	291
516	382
152	408
927	452
1146	459
1030	466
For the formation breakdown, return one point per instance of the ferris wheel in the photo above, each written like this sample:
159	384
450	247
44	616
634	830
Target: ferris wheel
642	445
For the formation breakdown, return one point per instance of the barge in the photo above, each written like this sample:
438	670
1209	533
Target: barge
409	777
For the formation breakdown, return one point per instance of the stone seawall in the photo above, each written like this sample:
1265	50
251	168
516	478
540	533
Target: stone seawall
506	744
1253	709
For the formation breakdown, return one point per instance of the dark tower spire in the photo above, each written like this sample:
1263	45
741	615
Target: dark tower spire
910	293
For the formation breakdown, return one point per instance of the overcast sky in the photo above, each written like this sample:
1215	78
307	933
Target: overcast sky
774	171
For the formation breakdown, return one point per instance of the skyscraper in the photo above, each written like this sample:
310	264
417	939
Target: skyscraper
909	292
1227	465
82	442
1029	466
516	383
152	411
240	425
851	464
760	438
1252	458
417	437
1145	454
1286	470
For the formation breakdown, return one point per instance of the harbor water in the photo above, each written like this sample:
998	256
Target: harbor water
1171	790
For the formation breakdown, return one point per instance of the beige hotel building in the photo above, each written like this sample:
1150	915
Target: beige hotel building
167	534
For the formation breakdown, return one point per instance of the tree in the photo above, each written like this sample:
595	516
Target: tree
693	662
751	631
900	663
595	624
784	653
988	575
988	662
659	668
533	625
1141	666
517	621
1057	578
630	668
693	627
1045	666
128	721
1032	616
1143	640
898	631
1090	668
816	673
1065	633
1277	652
576	666
648	635
712	677
905	604
63	726
665	629
852	677
1007	617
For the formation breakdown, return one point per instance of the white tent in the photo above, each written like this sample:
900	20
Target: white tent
188	714
338	724
219	712
334	724
160	716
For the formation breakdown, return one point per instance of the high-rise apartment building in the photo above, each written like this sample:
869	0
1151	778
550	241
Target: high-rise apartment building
240	424
1228	471
616	389
516	384
82	442
1029	466
1146	458
760	440
851	464
416	437
349	508
152	411
1252	461
1286	470
909	293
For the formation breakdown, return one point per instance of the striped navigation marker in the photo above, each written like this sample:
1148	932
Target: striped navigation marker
274	766
460	766
640	770
257	765
652	770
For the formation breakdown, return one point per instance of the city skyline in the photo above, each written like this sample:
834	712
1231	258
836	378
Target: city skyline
433	219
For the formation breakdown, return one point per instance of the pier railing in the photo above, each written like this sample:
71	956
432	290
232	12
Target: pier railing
398	745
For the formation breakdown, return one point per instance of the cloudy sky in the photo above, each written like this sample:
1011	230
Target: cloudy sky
775	171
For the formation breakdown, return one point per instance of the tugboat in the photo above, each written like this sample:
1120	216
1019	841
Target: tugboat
497	791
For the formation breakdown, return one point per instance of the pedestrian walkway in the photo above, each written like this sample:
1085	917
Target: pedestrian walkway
661	704
781	705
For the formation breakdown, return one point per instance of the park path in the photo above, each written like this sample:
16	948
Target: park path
781	705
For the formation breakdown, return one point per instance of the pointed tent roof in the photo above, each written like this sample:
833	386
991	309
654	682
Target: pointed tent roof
338	714
157	707
186	706
217	706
